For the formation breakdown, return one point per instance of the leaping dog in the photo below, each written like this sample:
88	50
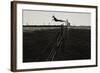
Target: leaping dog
57	20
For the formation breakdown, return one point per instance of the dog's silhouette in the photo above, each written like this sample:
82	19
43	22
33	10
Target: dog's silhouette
57	20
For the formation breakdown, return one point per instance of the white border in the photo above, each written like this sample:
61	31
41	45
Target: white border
34	65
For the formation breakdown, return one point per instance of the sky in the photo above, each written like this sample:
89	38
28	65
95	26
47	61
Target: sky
32	17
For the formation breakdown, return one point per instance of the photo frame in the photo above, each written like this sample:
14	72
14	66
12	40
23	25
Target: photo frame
47	36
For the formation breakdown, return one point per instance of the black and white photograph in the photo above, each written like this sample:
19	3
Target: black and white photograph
53	36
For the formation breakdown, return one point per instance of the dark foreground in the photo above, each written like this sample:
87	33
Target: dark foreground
38	44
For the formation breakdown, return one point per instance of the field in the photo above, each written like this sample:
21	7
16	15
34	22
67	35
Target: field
39	41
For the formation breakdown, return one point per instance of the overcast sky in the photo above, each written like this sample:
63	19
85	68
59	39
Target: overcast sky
31	17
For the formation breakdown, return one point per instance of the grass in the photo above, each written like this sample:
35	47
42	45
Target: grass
37	44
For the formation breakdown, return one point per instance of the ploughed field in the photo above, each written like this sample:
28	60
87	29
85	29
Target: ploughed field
38	43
